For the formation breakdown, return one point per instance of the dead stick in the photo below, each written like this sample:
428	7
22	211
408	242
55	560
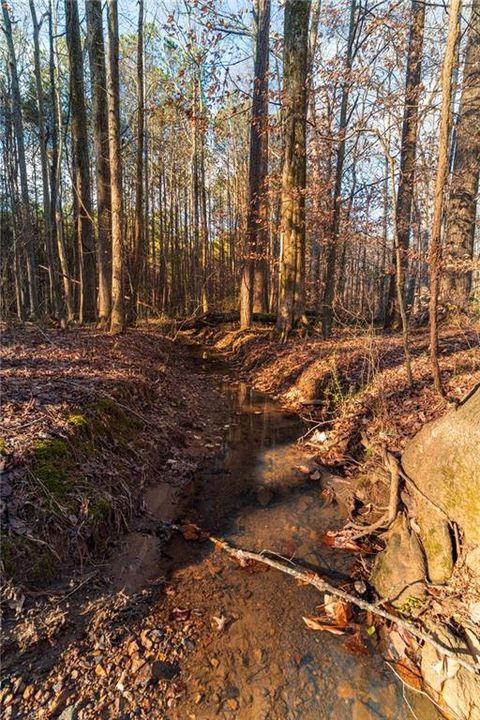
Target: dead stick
311	578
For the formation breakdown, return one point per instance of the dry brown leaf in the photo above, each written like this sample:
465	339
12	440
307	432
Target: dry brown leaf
319	624
409	673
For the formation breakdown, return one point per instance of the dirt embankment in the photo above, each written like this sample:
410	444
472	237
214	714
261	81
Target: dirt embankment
352	389
89	421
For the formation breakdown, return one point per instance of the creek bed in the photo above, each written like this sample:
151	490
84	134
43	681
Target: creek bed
256	659
265	664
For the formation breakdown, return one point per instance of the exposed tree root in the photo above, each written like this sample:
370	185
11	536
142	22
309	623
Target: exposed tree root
387	519
310	578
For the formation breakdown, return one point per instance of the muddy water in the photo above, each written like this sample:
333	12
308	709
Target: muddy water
257	659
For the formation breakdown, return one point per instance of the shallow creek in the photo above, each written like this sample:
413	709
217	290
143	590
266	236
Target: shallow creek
264	664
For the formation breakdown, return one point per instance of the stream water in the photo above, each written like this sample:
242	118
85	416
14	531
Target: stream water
263	663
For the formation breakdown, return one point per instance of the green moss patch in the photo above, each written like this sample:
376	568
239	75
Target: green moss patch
53	465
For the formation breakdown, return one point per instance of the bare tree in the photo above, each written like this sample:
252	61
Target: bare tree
81	168
98	76
253	290
406	183
47	217
117	318
334	230
291	296
139	239
25	216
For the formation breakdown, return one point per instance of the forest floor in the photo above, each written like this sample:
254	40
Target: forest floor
141	435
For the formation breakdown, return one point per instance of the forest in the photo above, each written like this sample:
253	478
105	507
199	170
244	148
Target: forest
240	305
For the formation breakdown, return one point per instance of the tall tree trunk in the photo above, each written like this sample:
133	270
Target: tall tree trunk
440	183
253	289
139	239
25	209
81	169
291	300
98	75
56	174
462	203
117	318
47	224
329	294
406	181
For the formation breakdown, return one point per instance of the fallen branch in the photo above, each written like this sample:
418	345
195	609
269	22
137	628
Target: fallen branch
310	578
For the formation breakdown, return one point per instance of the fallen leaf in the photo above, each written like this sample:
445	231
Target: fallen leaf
318	624
409	673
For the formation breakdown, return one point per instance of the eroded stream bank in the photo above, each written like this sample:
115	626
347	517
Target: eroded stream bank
190	635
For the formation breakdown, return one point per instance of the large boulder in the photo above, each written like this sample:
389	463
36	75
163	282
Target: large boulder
443	462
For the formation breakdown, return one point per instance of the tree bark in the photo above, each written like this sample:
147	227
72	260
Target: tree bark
440	184
47	224
81	169
462	203
408	151
98	75
24	209
291	300
117	318
253	289
139	238
56	174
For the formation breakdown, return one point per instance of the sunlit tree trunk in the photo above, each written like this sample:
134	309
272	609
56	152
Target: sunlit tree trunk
100	134
440	183
406	181
139	239
291	300
117	318
253	289
462	203
25	215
